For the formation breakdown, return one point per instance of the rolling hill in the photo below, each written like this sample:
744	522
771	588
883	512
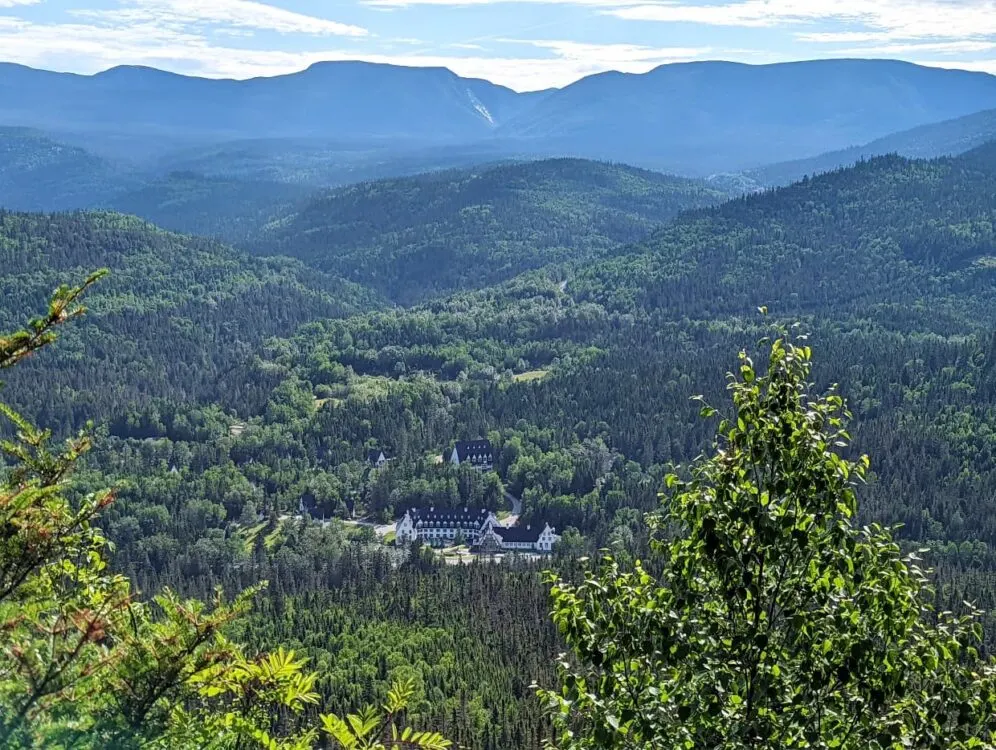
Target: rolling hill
435	234
911	243
37	172
173	317
947	138
231	210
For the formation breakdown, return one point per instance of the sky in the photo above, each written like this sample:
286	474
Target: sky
523	44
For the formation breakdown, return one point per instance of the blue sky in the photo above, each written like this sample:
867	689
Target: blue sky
525	44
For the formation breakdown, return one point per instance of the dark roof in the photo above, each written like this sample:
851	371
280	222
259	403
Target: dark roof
519	533
454	516
470	448
374	455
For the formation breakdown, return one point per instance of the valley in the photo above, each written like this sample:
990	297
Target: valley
299	328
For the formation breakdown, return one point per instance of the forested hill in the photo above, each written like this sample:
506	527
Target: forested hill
911	242
585	389
426	236
39	172
947	138
229	209
174	315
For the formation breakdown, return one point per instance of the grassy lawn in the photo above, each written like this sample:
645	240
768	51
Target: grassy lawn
389	537
503	514
273	537
356	532
525	377
251	533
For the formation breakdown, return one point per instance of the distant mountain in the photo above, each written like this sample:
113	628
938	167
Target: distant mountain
321	162
37	172
946	138
690	118
697	118
231	210
344	100
425	236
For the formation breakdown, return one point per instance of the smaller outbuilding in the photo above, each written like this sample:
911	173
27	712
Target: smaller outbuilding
477	453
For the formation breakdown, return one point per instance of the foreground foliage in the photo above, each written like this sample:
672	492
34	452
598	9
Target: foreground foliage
767	618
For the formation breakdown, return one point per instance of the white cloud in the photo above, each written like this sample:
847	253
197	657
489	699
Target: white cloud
12	3
961	47
469	3
629	57
844	37
206	38
89	48
979	66
894	19
225	13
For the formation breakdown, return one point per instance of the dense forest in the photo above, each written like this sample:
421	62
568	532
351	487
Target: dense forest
440	233
174	316
570	312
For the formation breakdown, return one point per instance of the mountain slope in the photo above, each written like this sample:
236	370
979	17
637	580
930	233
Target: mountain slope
429	235
347	100
947	138
39	172
691	118
231	210
320	162
714	116
911	243
173	317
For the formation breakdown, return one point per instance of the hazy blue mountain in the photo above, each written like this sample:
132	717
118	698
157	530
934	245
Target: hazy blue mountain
345	121
231	210
321	162
947	138
704	117
346	100
38	173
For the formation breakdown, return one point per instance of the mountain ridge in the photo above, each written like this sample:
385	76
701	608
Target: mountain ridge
945	138
693	118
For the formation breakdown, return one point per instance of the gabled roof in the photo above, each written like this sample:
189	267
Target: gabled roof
449	516
469	448
374	455
529	534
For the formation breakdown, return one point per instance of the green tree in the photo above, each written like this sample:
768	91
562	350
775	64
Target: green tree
84	663
378	729
768	618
